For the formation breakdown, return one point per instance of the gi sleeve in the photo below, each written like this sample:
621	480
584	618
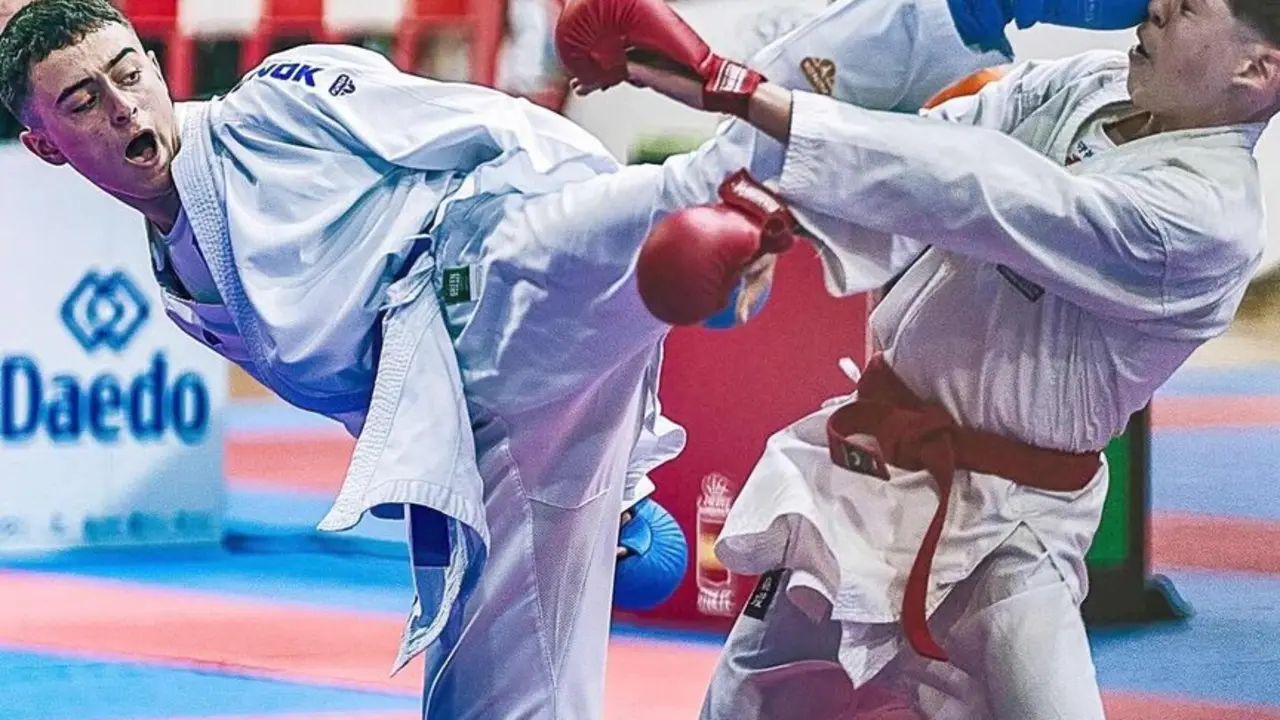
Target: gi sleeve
1100	242
350	100
916	52
855	258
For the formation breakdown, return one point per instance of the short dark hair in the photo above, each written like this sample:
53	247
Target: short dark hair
1261	15
40	29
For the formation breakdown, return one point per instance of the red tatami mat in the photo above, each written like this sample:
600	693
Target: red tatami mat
647	679
1206	542
1146	707
287	460
98	617
1179	412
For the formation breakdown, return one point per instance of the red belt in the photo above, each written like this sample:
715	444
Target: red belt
915	435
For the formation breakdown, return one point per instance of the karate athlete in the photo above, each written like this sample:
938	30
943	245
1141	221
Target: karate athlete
448	272
1070	235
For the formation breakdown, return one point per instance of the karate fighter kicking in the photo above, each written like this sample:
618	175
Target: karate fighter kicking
450	273
1069	235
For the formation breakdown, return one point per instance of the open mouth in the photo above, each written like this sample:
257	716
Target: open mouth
1140	50
143	149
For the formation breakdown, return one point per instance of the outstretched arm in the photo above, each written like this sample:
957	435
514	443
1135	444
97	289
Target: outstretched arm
1100	241
859	154
917	52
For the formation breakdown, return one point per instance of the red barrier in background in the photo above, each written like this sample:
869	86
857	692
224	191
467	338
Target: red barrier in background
304	21
731	391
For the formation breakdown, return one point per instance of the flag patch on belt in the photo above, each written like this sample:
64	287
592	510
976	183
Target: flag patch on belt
860	460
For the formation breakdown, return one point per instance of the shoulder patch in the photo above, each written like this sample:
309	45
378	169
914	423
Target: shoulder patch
821	74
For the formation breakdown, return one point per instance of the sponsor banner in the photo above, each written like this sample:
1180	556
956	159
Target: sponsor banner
110	417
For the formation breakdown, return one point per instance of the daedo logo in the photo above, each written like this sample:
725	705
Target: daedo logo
104	311
101	312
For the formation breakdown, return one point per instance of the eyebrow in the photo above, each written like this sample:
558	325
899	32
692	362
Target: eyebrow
88	81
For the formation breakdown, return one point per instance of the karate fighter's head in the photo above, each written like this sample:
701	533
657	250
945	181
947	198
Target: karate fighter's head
1200	63
76	75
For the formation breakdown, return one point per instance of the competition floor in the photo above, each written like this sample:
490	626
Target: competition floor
284	626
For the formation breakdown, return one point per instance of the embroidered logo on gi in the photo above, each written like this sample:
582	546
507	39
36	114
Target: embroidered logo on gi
290	72
821	74
1029	290
1081	151
457	285
762	597
342	86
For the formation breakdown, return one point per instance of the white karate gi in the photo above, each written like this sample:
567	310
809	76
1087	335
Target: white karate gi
1050	304
448	272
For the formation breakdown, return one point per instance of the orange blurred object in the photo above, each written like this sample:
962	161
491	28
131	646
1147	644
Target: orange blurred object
966	86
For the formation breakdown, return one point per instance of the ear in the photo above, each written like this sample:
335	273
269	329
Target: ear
41	147
1262	71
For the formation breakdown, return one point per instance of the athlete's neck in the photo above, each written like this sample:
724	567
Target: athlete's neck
1133	126
160	210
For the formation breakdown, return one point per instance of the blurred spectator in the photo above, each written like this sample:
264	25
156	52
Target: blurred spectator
445	55
527	63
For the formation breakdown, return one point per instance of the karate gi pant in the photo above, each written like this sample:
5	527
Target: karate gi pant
559	360
1014	635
